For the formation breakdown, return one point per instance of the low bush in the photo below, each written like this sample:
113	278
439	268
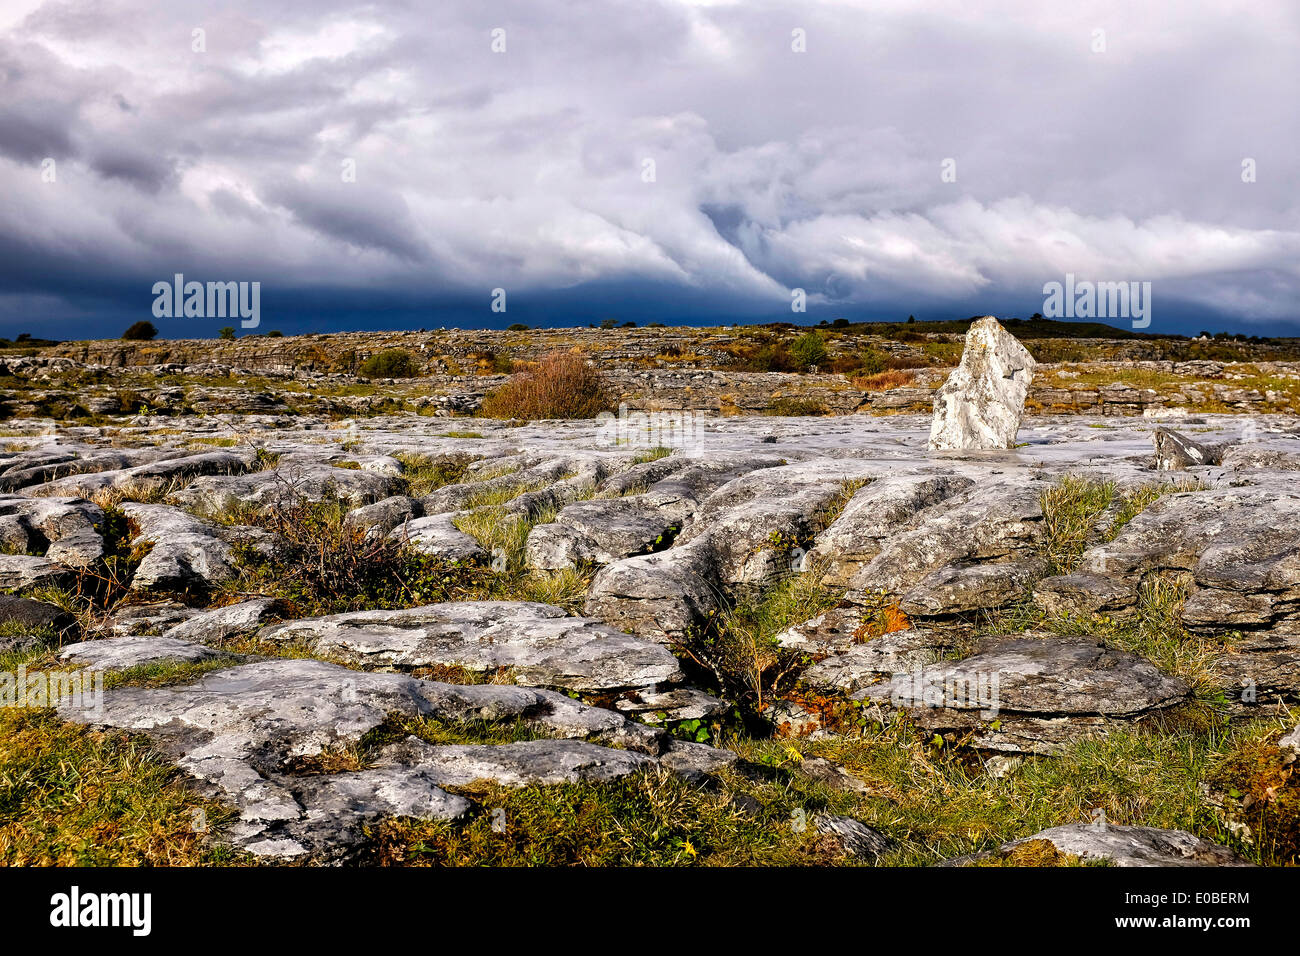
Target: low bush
390	363
560	385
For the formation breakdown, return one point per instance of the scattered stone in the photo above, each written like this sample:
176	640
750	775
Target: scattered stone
833	775
857	839
694	761
1291	741
438	537
1030	695
1124	846
233	620
656	704
24	613
1175	452
245	733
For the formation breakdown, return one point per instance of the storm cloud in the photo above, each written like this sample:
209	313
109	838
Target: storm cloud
383	163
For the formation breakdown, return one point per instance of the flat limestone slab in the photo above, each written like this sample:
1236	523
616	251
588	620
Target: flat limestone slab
539	643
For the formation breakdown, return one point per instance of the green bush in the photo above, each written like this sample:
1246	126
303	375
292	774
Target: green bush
809	349
390	363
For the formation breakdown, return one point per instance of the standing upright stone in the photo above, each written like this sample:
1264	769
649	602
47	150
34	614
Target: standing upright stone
981	404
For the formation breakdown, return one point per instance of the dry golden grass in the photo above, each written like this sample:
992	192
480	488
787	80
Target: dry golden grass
883	381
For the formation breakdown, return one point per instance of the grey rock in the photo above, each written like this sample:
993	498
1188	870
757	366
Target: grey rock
695	761
539	643
16	612
438	537
289	483
658	704
752	521
39	467
155	474
186	551
1083	593
862	665
333	810
154	617
243	732
65	530
121	653
994	522
1025	694
1129	846
603	530
983	400
233	620
659	596
857	839
18	571
1241	546
833	775
873	515
831	632
533	471
379	519
1291	741
600	531
526	763
960	589
1175	452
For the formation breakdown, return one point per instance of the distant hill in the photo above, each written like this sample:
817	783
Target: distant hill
1036	327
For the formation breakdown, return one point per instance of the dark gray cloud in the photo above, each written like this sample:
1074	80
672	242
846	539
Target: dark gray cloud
772	169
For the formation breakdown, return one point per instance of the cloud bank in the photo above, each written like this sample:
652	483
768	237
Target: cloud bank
397	162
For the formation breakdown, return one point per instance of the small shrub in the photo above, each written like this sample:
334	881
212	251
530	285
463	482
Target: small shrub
809	350
324	566
140	332
560	385
390	363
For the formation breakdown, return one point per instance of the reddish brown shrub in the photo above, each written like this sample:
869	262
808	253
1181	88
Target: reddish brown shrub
559	385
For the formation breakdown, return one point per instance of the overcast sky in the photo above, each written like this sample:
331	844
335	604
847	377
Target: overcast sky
527	169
